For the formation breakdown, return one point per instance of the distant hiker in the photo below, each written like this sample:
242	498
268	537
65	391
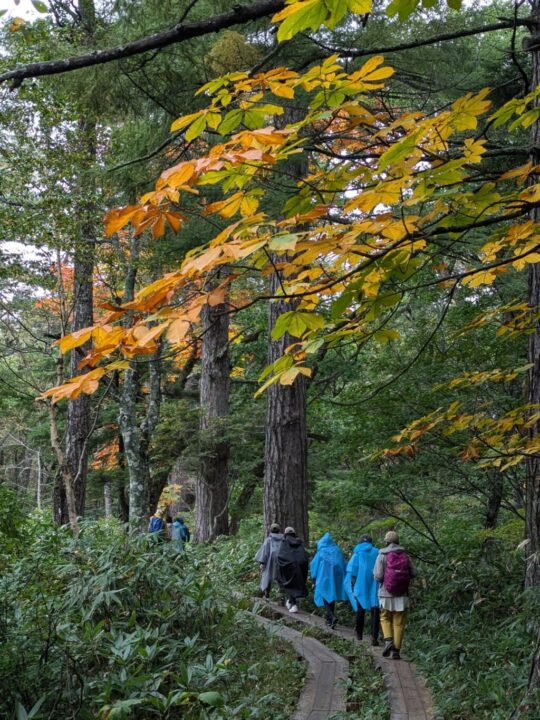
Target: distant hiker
156	527
292	561
180	533
267	558
361	587
327	570
394	570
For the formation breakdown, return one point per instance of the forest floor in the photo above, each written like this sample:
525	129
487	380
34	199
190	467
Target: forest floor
408	696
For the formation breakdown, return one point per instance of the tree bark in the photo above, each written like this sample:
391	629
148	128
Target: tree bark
532	490
136	436
78	413
212	490
245	496
285	472
532	487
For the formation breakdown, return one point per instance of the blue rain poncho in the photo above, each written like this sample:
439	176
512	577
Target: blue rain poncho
328	571
360	566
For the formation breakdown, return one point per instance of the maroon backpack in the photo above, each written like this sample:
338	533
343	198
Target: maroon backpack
397	574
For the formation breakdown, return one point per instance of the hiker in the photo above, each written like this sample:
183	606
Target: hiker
394	570
180	533
362	588
327	571
156	527
292	562
267	558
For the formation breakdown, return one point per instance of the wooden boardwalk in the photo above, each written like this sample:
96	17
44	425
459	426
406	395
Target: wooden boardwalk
324	692
408	695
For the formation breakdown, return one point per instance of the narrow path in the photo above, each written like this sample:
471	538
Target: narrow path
409	697
324	692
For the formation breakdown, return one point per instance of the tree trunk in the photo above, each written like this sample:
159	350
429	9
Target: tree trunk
532	487
245	496
136	437
78	414
212	491
107	500
285	472
137	468
532	490
495	497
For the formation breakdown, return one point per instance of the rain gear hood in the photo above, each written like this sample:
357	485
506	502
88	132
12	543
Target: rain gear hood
328	571
360	567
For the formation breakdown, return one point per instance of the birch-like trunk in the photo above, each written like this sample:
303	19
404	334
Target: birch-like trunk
137	425
212	491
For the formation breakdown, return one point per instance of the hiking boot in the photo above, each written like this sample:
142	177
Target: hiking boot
374	642
396	655
293	609
288	604
359	637
388	647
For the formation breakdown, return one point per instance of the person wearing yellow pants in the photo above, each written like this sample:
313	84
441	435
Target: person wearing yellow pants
393	570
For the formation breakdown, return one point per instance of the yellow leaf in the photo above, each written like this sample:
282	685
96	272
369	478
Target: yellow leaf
75	339
16	24
362	7
148	337
177	331
482	277
186	120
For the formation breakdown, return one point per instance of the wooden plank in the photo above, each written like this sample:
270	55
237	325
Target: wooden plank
323	693
408	695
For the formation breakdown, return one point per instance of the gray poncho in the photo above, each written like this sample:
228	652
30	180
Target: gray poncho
266	556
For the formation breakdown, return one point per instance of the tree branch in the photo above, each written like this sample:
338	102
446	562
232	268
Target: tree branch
348	52
179	33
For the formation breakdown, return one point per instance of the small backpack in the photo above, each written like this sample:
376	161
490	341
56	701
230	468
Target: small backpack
397	574
156	524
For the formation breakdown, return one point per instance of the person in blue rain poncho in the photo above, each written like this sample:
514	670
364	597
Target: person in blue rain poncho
327	570
361	587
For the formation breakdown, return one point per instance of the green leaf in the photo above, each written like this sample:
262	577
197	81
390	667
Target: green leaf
20	712
403	8
283	242
301	16
454	4
386	334
196	128
230	122
40	6
212	698
296	323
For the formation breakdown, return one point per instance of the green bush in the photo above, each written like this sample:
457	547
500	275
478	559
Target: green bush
111	628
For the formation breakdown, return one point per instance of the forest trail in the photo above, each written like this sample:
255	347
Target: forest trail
408	695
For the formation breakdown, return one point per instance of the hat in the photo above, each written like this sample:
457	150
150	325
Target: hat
275	527
391	537
366	538
290	531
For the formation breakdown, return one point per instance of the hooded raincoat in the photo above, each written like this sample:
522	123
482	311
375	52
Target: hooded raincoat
328	571
292	562
267	556
360	566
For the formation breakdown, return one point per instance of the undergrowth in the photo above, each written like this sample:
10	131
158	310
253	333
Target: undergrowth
113	628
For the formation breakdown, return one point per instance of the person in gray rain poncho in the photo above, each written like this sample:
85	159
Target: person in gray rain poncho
267	558
327	572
